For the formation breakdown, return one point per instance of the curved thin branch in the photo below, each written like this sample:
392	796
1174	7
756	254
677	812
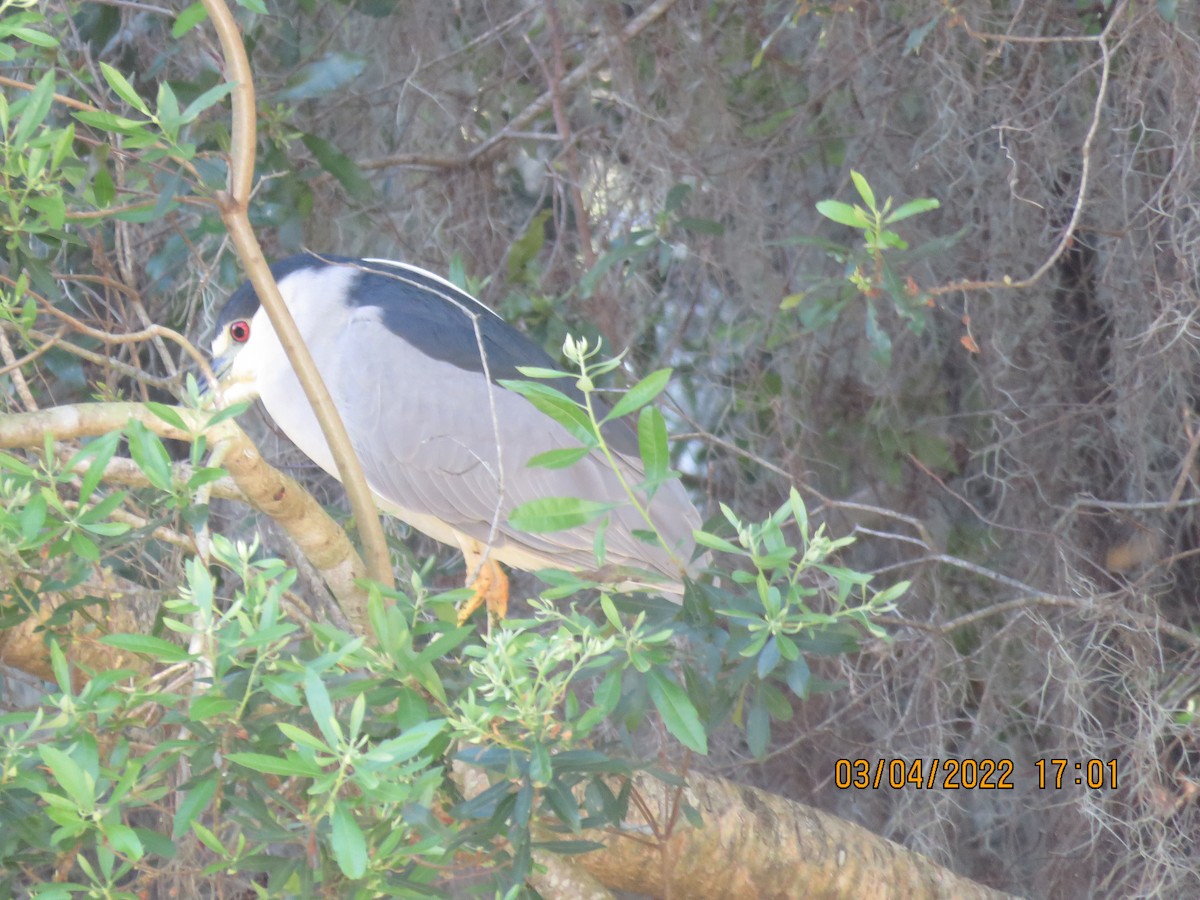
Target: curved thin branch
233	204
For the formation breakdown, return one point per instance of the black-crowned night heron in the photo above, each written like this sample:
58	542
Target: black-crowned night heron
443	445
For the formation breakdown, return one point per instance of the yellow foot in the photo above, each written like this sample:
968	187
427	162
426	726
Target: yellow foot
490	587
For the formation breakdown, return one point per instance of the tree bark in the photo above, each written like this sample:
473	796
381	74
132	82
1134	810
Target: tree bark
753	844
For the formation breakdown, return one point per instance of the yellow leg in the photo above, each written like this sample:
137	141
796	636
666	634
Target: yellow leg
490	586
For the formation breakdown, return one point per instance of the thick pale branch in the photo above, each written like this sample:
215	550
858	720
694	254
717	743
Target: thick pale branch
758	845
264	487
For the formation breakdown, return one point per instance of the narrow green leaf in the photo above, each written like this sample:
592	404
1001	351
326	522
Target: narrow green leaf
556	514
911	208
84	547
211	97
106	121
525	248
677	711
18	466
33	517
321	708
758	729
150	455
558	459
640	394
864	189
210	840
844	213
408	744
100	451
149	645
339	165
349	844
652	444
540	372
302	738
37	105
290	766
123	89
70	776
35	37
712	542
123	839
541	768
558	406
324	76
194	802
168	414
188	19
167	109
60	667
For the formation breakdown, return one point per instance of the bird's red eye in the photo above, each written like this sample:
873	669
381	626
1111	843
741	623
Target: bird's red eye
239	331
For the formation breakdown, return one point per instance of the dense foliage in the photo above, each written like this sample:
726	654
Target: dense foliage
925	276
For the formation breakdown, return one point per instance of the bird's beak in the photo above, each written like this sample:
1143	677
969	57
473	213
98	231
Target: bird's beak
231	386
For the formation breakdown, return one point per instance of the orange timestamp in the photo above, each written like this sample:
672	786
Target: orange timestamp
946	774
970	774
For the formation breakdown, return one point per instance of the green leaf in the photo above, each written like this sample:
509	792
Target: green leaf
640	394
652	444
149	645
526	248
84	547
123	89
407	745
37	105
195	802
78	784
558	406
321	708
188	19
302	738
864	189
677	711
917	36
209	840
106	121
124	840
712	542
349	844
18	466
844	214
211	97
539	372
541	768
33	36
558	459
340	166
292	765
324	76
32	517
167	109
758	729
168	414
150	455
548	514
912	208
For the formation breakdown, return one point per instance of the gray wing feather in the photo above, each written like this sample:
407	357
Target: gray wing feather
429	443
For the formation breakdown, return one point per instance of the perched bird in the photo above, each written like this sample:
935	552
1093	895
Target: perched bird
414	365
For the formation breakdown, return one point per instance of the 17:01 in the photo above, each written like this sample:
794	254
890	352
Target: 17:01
1095	773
